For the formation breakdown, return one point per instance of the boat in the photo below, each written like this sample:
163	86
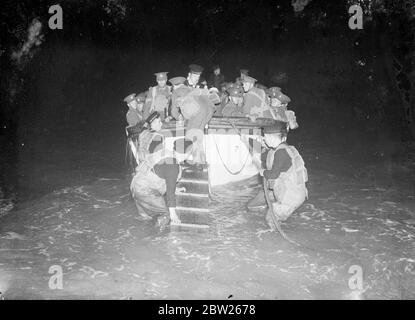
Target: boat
228	156
232	146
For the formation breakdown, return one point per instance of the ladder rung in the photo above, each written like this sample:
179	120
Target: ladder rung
190	225
193	209
194	181
199	195
196	170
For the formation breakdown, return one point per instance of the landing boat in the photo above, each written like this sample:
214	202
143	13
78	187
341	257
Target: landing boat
232	146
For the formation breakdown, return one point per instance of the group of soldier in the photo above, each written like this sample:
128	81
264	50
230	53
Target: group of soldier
242	98
192	101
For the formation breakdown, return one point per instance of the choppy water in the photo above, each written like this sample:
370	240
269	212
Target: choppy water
105	251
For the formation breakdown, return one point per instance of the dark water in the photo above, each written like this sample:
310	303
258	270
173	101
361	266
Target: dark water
360	213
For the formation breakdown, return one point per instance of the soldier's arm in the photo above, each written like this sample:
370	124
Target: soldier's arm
246	109
146	107
174	107
282	162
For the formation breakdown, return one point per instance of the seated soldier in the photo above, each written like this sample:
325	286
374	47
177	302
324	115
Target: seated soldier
255	99
156	176
278	107
234	107
285	173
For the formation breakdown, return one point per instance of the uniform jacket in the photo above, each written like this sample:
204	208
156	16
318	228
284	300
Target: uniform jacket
216	80
255	102
133	117
158	99
232	110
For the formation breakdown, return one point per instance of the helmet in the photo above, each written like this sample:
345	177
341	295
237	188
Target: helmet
273	92
141	97
276	127
235	92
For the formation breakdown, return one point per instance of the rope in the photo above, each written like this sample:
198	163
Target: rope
223	162
276	221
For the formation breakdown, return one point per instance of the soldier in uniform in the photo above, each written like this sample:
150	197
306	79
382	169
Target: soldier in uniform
154	184
196	105
216	79
234	107
135	105
285	173
158	97
278	107
180	89
255	99
193	77
177	82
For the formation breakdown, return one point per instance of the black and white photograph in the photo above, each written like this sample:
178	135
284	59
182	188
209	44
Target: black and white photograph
223	152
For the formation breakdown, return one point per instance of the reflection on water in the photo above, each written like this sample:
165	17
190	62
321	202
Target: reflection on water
105	251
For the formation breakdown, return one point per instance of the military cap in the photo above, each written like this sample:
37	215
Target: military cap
235	92
244	71
276	127
152	117
129	98
161	75
177	80
231	86
196	69
273	92
141	97
283	98
215	66
247	78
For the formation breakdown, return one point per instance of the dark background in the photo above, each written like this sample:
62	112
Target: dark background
62	114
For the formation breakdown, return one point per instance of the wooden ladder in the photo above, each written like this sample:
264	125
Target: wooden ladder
192	206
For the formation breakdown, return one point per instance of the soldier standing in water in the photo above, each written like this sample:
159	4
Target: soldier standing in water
285	174
154	184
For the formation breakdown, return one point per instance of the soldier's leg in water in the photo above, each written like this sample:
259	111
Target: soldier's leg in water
282	211
141	211
148	197
293	198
